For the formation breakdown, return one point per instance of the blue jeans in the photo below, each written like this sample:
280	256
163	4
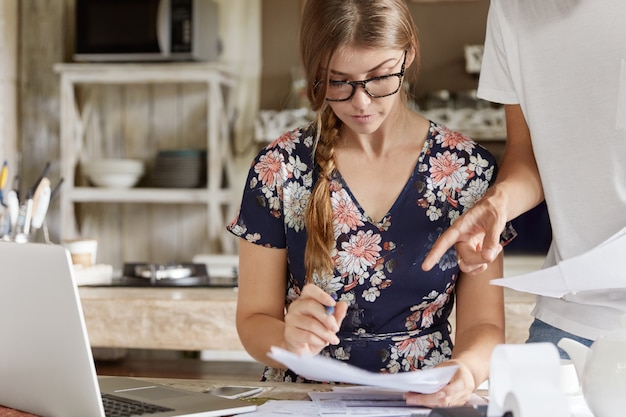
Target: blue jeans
543	332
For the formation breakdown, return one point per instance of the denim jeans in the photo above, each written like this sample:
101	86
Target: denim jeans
543	332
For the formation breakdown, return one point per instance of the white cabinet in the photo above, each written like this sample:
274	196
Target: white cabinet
216	196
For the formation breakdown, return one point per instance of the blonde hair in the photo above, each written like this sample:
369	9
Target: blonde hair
327	26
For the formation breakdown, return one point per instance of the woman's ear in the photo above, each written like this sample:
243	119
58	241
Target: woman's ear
410	57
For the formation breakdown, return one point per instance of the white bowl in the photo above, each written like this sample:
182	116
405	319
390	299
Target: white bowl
114	173
115	180
117	166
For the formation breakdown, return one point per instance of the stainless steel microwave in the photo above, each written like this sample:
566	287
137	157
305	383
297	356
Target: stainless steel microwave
146	30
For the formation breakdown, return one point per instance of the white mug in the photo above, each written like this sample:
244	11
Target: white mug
569	378
82	251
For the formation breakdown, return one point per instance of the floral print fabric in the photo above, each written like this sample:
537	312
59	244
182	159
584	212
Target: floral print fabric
397	318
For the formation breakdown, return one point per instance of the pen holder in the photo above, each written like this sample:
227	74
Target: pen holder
16	238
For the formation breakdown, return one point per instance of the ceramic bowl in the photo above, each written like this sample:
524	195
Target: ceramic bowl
114	173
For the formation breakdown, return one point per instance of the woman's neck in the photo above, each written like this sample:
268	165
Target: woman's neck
398	129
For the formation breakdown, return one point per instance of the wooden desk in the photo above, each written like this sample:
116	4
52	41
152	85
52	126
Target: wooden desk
274	391
161	318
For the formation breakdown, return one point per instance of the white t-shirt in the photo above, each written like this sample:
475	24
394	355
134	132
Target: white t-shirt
564	62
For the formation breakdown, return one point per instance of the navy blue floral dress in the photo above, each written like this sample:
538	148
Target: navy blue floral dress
397	318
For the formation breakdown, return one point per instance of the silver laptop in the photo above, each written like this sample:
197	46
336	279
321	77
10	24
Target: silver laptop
46	364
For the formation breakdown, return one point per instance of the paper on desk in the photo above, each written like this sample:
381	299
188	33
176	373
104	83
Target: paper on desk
603	267
273	408
370	402
321	368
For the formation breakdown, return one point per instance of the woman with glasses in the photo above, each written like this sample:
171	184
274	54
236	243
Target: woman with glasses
337	217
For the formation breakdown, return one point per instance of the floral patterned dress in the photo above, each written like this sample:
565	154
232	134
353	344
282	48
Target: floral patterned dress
397	317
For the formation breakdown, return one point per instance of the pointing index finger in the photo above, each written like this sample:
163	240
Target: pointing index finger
440	247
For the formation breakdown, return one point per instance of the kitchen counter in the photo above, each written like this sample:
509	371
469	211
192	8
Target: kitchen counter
203	319
161	318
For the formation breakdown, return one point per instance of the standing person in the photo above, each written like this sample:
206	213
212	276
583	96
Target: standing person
347	208
559	67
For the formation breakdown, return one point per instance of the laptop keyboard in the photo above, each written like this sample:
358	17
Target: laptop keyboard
123	407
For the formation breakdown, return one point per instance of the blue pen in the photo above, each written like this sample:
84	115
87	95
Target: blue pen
330	310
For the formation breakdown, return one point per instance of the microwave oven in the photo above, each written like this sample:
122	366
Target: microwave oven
146	30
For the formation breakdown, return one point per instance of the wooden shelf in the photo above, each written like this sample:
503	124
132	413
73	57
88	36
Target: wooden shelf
146	195
218	112
144	73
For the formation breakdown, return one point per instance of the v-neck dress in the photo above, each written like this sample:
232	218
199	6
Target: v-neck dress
397	317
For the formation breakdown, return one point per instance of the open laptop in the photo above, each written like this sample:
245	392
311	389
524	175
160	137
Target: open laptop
46	364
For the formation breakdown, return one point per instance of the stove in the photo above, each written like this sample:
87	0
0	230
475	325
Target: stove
170	275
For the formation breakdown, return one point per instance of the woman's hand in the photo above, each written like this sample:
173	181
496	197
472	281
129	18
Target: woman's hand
308	326
455	394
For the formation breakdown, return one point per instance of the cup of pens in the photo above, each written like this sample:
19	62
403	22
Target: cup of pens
22	217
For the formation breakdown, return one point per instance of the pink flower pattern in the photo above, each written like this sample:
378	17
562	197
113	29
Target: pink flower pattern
448	170
346	215
269	169
360	252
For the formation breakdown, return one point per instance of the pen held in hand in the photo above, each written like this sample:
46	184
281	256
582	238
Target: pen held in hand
330	310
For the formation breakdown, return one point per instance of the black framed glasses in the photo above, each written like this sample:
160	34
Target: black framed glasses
375	87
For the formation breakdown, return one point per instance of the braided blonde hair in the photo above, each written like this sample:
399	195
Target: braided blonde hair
327	26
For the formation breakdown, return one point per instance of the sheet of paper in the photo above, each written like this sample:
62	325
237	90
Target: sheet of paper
273	408
369	402
321	368
603	267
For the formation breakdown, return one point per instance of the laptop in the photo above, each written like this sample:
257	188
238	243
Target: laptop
46	363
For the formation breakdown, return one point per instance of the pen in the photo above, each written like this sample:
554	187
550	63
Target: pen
16	186
56	189
40	207
43	184
44	174
14	209
330	310
27	209
4	173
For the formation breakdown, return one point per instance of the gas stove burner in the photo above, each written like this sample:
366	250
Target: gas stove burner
166	275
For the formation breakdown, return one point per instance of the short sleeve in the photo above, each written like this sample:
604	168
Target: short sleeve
495	81
260	217
276	191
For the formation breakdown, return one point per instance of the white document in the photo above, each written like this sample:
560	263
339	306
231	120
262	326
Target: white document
370	402
273	408
321	368
603	267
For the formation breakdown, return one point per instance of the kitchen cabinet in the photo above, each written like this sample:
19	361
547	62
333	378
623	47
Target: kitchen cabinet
216	196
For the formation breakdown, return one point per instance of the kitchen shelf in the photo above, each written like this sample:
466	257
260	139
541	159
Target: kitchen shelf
146	195
219	112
